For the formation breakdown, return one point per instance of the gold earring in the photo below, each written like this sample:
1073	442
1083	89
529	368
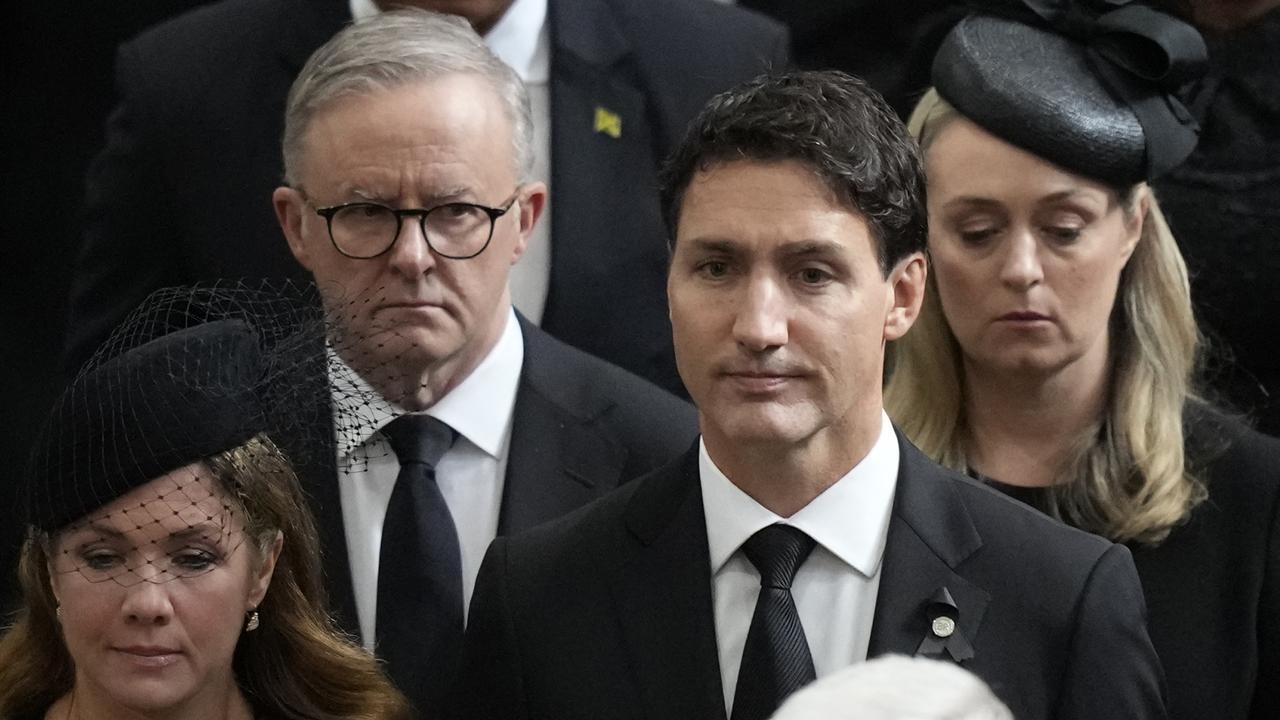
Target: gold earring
57	612
252	621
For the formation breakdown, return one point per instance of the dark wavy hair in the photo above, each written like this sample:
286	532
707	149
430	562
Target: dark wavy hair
296	666
832	122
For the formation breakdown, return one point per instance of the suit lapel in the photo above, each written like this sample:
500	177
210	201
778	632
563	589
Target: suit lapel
930	535
663	596
304	26
559	458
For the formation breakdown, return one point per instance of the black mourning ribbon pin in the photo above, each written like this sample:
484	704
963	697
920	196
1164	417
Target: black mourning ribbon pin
945	634
1143	56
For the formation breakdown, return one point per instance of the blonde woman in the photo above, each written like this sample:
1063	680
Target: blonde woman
1054	358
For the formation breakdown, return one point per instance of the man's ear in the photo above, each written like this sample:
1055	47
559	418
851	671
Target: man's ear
907	285
533	200
289	205
265	570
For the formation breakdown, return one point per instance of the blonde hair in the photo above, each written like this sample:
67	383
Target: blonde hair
296	665
1127	477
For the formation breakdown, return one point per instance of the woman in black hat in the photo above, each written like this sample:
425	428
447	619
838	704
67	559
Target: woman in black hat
1055	356
171	568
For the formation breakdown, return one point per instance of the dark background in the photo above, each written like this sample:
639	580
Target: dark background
58	90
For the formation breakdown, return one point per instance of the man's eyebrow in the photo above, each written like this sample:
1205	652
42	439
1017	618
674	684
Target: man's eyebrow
811	248
714	245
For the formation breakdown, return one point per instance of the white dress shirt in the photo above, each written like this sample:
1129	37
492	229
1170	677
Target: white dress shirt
835	588
471	474
520	39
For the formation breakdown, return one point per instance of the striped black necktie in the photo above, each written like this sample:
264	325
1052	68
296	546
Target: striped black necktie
776	660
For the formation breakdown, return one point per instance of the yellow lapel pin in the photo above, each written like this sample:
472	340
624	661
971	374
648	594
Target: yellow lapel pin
608	122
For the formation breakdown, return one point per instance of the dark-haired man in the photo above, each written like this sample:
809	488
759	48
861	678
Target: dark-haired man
801	534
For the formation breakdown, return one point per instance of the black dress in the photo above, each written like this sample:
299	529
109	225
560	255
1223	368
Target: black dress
1213	586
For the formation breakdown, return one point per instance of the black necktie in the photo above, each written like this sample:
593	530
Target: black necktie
419	620
776	660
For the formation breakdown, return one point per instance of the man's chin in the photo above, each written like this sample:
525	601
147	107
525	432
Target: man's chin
764	428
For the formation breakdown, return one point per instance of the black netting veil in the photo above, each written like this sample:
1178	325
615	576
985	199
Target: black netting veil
139	465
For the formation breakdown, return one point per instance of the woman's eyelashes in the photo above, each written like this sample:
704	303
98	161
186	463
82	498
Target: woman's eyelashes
1057	231
193	560
179	560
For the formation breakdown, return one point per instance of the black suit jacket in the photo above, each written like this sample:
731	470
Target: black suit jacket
182	191
580	428
607	613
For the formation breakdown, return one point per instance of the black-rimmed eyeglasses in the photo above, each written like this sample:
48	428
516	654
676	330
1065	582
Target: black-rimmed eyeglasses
457	230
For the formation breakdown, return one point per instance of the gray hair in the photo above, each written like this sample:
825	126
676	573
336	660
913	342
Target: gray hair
393	49
894	687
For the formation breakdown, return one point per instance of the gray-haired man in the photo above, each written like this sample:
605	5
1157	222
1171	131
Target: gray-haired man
407	151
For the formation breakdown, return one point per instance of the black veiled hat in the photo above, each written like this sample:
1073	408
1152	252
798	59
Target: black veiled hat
1089	86
157	407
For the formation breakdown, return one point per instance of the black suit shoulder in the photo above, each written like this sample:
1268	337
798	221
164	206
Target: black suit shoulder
1059	613
195	58
704	36
650	421
180	192
584	543
688	51
1025	557
1233	457
1005	523
208	32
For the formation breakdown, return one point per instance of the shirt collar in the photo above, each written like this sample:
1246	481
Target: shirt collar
479	408
850	519
361	9
519	38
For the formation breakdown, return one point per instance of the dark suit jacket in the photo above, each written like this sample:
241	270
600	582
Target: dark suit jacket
182	191
607	613
581	427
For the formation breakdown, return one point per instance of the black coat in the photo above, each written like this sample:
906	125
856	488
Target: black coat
580	428
607	613
182	191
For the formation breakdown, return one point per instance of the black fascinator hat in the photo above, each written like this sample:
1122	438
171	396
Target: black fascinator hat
1088	85
162	405
192	373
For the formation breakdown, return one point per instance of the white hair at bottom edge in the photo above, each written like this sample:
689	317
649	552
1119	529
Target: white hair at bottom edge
896	687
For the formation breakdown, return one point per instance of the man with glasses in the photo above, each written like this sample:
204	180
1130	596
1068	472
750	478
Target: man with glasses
612	83
407	149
